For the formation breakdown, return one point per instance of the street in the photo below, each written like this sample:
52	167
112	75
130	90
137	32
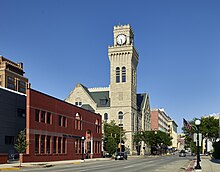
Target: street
146	164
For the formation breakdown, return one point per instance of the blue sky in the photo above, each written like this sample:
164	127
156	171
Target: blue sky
63	42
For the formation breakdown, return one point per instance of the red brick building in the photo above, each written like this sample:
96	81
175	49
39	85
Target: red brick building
55	130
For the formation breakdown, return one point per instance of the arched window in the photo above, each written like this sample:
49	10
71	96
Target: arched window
123	74
97	126
117	74
120	115
78	121
106	117
120	119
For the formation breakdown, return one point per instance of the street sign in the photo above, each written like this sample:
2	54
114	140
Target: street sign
195	138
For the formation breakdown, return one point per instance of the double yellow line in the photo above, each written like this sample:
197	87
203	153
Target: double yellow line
8	169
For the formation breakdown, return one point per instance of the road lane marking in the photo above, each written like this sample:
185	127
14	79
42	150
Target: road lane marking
7	169
129	166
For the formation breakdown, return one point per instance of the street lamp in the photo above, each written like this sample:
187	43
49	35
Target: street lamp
198	122
120	117
120	124
83	138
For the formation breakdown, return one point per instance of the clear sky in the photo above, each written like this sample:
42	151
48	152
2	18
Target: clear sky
63	42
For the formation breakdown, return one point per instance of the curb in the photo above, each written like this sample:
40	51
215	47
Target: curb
190	167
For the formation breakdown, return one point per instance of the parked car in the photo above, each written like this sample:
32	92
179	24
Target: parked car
182	153
121	156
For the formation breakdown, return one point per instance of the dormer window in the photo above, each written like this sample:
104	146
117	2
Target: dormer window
103	102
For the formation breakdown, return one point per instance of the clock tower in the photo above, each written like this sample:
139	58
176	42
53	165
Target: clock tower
123	66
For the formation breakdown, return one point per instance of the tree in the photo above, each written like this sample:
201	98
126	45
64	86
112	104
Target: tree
208	129
154	138
111	136
21	143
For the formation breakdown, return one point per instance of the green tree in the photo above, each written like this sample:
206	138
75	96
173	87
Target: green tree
153	138
208	128
111	136
21	143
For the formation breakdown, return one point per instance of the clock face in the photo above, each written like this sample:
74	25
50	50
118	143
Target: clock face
121	39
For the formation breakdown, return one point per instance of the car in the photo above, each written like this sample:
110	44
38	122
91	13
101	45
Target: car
182	153
121	156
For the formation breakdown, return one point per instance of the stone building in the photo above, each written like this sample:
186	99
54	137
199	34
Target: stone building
120	98
12	75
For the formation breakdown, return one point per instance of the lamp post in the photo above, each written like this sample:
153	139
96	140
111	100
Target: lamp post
120	124
83	138
198	122
120	117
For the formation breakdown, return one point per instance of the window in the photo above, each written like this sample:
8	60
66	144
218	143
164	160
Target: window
10	83
123	74
78	122
97	126
99	147
62	121
59	144
48	145
106	117
103	102
9	140
134	77
21	113
117	74
59	120
42	144
78	145
36	144
37	112
42	118
11	86
49	118
21	86
21	89
64	145
54	144
78	103
120	115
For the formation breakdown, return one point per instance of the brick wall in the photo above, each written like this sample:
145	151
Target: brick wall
59	129
154	120
3	158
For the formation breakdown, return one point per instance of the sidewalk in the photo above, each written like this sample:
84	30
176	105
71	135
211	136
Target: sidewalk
15	165
209	165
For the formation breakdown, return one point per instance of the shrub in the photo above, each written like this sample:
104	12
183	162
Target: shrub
216	153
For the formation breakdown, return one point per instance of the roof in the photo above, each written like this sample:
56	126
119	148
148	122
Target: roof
101	98
140	100
88	107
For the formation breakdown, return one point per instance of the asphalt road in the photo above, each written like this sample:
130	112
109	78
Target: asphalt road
171	163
